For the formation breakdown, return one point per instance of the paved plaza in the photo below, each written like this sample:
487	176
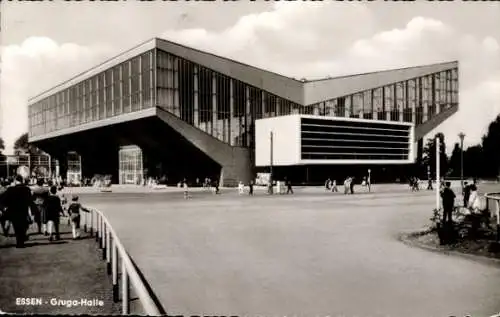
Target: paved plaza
313	253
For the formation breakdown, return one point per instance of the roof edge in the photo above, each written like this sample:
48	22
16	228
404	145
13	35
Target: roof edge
380	71
92	68
229	59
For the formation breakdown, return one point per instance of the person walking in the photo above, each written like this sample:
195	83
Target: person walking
4	217
40	195
53	211
347	185
289	189
466	194
74	212
186	189
334	186
216	187
429	184
250	188
327	184
448	197
351	185
18	200
241	188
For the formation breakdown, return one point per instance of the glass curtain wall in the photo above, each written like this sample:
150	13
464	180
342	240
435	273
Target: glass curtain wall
131	170
221	106
74	173
121	89
416	100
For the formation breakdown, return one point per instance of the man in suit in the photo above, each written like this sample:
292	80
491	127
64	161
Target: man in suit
18	201
448	197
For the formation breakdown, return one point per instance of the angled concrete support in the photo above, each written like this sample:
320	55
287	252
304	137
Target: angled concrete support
423	129
235	161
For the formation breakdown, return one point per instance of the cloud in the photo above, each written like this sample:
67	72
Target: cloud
296	39
39	63
324	39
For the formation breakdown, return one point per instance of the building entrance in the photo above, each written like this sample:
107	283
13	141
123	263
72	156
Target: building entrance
131	169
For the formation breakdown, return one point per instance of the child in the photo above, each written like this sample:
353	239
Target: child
74	213
53	211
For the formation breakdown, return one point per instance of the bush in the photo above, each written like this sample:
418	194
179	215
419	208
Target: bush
466	225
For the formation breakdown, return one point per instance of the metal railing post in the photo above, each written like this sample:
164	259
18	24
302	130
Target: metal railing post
91	223
85	222
98	223
114	265
108	251
125	290
103	240
498	220
118	261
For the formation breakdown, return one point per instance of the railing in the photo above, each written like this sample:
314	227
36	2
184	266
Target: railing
493	206
113	252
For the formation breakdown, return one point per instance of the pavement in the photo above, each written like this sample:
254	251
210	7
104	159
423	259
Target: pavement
312	253
45	277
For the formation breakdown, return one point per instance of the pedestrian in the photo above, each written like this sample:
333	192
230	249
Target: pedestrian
448	197
429	184
216	187
40	195
473	203
351	185
18	200
334	186
186	189
347	185
250	188
74	212
289	189
466	193
241	188
54	210
327	184
4	217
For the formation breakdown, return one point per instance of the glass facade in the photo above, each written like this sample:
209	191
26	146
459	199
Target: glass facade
131	169
224	107
123	88
74	174
221	106
415	100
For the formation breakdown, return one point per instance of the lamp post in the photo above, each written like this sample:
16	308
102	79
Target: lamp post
461	135
438	176
369	180
271	163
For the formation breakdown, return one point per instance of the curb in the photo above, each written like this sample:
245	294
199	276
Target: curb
408	239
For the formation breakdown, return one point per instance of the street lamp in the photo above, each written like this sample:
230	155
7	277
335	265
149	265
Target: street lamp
369	181
461	135
271	163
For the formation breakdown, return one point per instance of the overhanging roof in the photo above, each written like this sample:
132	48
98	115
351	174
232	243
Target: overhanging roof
300	92
321	90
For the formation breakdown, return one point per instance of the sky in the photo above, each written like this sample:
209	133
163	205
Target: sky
44	43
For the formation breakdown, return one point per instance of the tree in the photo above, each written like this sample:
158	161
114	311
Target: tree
473	161
429	154
21	146
455	160
491	149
